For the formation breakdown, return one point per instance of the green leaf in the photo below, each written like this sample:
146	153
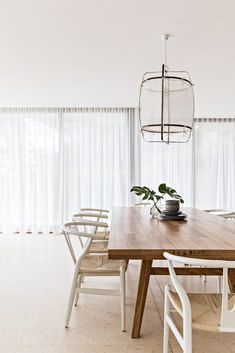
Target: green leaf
148	194
138	190
176	196
162	188
135	188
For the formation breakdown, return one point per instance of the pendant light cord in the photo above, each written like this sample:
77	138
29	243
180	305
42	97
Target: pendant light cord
165	52
165	37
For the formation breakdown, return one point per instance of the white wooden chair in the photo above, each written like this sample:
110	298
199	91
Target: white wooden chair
217	210
206	312
226	214
92	215
94	265
230	215
97	217
143	204
99	240
95	210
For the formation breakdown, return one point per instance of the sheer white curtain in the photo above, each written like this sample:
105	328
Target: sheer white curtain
202	171
96	159
170	164
30	178
52	162
215	163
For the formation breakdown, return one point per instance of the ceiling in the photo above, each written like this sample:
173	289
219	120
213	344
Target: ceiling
94	52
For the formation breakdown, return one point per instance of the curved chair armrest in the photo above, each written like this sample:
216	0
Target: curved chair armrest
227	214
199	262
89	215
87	222
214	210
94	210
71	228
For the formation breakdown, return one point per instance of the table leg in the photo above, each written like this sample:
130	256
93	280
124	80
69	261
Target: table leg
231	280
141	297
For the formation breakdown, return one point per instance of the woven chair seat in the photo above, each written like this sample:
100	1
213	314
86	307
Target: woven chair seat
98	246
101	236
101	265
206	309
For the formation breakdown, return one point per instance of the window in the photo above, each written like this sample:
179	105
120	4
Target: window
54	161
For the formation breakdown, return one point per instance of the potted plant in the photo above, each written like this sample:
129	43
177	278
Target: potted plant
148	194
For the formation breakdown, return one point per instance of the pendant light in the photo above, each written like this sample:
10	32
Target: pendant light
166	105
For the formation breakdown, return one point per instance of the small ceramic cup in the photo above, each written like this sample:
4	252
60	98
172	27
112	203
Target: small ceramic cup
172	205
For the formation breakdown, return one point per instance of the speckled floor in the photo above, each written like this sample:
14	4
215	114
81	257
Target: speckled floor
35	275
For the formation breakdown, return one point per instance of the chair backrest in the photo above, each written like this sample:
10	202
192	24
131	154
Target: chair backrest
143	204
90	215
227	320
214	210
74	228
100	210
229	216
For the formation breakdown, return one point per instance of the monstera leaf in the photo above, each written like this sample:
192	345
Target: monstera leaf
148	194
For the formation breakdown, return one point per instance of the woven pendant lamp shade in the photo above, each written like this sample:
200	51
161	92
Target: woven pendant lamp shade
166	106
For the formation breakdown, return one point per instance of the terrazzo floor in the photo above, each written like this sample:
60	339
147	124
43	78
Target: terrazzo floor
35	276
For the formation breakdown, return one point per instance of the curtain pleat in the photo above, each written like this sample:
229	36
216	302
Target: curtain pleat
215	164
96	160
30	181
53	161
170	164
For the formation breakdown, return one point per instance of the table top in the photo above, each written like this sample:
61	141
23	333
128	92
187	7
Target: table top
136	235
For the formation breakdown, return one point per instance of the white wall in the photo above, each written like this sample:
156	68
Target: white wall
94	52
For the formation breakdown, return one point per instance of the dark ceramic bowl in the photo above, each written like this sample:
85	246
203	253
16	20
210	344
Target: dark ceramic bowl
172	205
171	213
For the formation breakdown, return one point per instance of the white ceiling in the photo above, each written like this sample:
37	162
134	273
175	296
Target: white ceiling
94	52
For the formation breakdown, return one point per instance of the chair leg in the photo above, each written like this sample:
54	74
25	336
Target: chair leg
187	331
123	298
72	296
219	283
166	327
68	241
80	279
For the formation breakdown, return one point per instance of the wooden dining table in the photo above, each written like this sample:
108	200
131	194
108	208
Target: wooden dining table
136	235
